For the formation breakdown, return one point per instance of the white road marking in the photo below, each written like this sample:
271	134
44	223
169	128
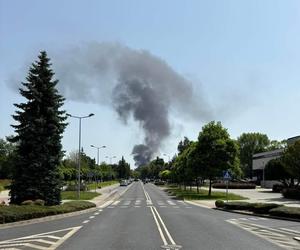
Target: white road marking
171	202
115	203
159	228
33	240
126	203
92	217
97	213
137	206
290	230
106	204
86	221
100	210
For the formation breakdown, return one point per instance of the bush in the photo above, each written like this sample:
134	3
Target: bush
289	212
14	213
238	205
264	208
234	185
39	202
83	187
27	202
219	203
291	193
277	188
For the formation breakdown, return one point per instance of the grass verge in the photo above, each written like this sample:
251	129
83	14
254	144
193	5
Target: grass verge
4	184
72	195
103	184
15	213
202	195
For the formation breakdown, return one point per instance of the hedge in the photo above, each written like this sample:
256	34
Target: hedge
261	208
291	193
288	212
233	185
14	213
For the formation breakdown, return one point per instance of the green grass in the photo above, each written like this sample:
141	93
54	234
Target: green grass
4	183
72	195
92	186
203	195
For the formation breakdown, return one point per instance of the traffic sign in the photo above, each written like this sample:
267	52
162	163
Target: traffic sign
227	175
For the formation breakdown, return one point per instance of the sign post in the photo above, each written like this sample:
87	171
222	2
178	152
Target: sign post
227	177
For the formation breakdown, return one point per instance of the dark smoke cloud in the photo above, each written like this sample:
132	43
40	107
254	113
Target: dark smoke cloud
135	83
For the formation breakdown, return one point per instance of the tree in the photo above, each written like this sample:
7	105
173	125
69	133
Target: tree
249	144
39	128
275	170
216	150
291	161
123	169
7	158
183	145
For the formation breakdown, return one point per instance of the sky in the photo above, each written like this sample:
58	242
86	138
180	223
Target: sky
241	57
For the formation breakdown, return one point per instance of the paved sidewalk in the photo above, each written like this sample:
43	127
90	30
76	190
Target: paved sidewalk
258	195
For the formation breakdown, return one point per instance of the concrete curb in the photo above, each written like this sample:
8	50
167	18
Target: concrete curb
197	204
258	215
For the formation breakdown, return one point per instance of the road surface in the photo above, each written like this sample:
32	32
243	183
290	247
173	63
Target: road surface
145	217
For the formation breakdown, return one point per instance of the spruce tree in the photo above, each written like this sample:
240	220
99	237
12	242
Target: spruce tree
39	128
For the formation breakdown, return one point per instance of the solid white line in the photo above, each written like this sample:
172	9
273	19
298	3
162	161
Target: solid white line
290	230
164	226
159	228
116	203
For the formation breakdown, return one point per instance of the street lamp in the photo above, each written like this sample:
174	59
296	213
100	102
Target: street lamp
79	147
110	158
98	148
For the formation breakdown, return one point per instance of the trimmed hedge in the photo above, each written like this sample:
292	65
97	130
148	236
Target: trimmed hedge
260	208
14	213
233	185
288	212
291	193
277	188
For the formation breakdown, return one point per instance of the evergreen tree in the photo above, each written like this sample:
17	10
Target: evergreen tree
40	124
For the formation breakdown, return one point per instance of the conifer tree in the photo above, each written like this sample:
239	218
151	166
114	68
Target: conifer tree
39	128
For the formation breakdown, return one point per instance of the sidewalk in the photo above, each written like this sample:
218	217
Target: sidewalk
258	195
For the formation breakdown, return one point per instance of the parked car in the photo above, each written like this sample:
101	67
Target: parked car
123	183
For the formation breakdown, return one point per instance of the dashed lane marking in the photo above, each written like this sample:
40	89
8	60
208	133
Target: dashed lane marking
92	217
86	221
49	240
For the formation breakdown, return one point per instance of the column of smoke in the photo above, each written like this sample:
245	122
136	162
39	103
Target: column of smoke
140	85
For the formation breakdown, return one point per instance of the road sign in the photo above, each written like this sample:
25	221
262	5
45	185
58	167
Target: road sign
227	175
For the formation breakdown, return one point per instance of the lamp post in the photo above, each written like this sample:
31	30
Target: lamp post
98	148
110	158
79	147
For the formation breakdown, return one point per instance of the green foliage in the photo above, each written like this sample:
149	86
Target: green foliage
219	203
7	158
27	202
249	144
235	185
39	202
217	151
287	212
264	208
165	174
202	195
152	169
14	213
72	195
291	193
123	169
275	170
291	160
39	128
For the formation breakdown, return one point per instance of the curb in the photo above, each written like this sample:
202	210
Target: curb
258	215
197	204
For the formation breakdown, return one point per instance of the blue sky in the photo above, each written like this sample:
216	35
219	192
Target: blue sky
243	55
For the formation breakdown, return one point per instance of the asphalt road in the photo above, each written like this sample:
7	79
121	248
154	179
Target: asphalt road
145	217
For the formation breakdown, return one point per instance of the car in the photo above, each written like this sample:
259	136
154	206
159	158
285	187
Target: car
123	183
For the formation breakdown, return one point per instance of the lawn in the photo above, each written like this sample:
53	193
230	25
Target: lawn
72	195
92	186
203	195
4	184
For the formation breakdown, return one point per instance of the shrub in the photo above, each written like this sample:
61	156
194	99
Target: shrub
234	185
219	203
291	193
264	208
289	212
83	187
27	202
39	202
14	213
238	205
277	188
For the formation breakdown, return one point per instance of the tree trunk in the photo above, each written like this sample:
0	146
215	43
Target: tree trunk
197	183
209	191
